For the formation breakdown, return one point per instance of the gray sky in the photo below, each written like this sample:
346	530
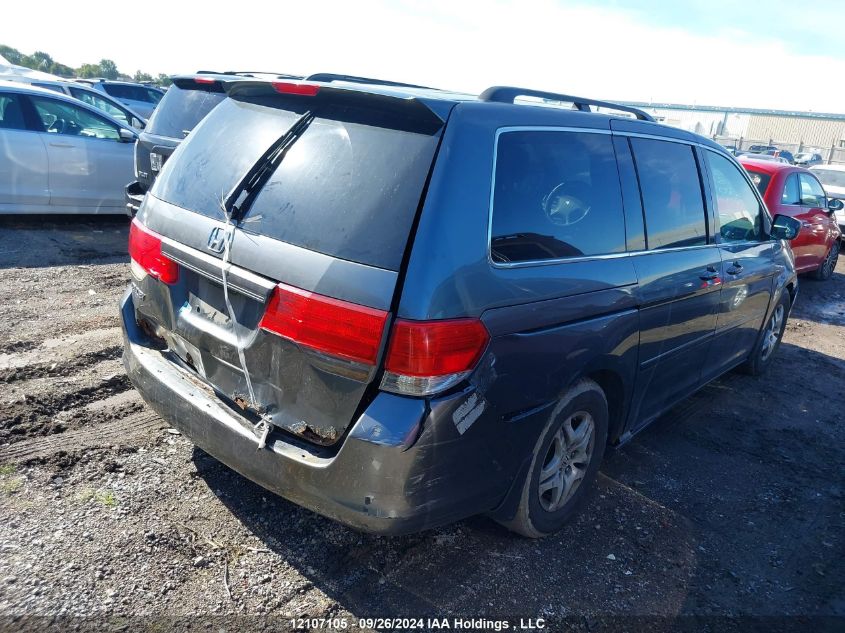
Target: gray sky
776	54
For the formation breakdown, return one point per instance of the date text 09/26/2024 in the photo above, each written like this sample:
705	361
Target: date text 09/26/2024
410	624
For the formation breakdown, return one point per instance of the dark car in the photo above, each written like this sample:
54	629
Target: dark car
782	153
186	102
399	307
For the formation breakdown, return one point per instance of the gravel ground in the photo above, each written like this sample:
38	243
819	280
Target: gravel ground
731	505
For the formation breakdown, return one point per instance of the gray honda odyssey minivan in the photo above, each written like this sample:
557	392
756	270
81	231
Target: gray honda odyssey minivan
400	307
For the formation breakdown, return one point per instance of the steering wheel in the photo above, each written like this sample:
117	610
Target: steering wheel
562	208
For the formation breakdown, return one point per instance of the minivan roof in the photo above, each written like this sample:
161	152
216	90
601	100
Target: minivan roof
435	99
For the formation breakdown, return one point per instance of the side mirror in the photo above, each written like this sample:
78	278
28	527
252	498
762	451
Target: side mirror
138	124
127	136
835	204
784	227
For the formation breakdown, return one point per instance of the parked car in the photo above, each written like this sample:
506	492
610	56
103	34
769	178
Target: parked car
399	307
141	98
92	97
808	159
832	178
761	149
797	193
188	100
766	157
60	155
782	153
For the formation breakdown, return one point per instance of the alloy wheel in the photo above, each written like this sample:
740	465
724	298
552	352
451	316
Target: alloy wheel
772	333
566	460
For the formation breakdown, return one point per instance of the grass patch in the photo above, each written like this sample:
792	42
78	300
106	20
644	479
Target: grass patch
7	469
11	486
103	497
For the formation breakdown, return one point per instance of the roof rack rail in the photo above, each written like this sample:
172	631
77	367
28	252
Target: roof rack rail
508	94
248	73
329	77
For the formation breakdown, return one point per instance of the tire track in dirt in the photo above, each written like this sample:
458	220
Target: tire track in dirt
57	369
120	432
39	415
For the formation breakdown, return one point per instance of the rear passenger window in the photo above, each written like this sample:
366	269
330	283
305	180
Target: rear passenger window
736	205
556	195
671	190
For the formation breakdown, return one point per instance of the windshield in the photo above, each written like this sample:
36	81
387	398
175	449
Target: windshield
180	110
831	177
348	187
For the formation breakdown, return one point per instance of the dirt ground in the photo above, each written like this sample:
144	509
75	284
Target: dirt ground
729	506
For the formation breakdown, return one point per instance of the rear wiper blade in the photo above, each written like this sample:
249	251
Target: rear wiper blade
240	198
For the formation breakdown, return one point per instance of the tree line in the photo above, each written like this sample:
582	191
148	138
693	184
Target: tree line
105	68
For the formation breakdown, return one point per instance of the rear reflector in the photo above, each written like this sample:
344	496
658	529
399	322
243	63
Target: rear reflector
332	326
429	356
145	251
303	90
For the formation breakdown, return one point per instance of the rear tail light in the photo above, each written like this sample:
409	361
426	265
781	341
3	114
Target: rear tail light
332	326
145	251
425	357
303	90
204	80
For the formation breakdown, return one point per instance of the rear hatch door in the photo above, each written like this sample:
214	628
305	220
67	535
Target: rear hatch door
318	240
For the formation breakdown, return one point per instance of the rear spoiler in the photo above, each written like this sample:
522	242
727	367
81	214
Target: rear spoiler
428	112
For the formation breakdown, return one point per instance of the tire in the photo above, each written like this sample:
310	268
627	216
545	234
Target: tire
828	265
566	447
769	339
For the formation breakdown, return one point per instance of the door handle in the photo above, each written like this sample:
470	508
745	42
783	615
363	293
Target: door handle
710	275
735	269
60	145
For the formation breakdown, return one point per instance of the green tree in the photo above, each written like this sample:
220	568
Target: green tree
40	60
61	70
109	69
140	76
89	70
163	80
12	55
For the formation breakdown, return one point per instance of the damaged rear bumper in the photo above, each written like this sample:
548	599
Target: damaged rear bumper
403	466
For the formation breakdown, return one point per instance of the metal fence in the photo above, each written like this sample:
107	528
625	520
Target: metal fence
830	155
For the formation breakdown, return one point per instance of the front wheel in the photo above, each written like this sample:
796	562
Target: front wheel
828	265
565	462
769	339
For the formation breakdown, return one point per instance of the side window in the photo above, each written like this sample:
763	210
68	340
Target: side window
11	112
153	96
791	193
556	195
671	191
61	117
95	101
736	205
812	193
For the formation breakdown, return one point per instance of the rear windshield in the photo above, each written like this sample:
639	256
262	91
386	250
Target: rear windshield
180	110
349	187
760	180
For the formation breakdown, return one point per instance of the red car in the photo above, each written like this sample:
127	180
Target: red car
796	192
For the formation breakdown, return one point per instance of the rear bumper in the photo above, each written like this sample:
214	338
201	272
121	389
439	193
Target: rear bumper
134	195
402	468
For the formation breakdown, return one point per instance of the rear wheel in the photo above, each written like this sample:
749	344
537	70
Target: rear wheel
565	462
828	265
770	337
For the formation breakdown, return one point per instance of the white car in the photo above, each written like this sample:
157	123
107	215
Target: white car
832	178
99	100
60	155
